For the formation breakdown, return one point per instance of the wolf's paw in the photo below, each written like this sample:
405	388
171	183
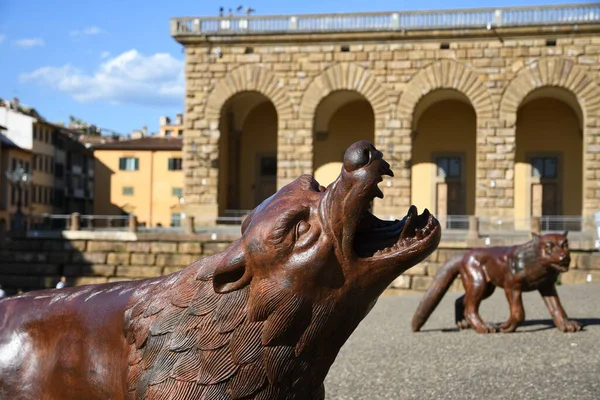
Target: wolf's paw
569	326
463	324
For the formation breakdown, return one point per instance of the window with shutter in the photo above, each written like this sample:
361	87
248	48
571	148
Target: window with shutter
175	164
129	164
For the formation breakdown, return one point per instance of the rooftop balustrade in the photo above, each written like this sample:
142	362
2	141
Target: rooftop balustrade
568	14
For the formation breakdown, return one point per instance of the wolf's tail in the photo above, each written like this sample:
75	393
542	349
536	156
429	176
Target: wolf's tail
442	281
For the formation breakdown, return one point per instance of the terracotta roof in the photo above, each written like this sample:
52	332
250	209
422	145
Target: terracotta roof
95	140
146	143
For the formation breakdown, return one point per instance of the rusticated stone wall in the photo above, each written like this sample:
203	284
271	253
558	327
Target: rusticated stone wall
38	263
494	71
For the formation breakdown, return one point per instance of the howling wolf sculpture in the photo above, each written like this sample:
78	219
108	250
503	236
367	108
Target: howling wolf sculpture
264	319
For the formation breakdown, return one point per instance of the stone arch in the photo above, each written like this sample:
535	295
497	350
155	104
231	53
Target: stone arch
345	76
552	71
446	74
248	78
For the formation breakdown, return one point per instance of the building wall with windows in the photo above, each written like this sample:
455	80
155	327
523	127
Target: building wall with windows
142	177
498	119
11	158
43	168
74	174
61	165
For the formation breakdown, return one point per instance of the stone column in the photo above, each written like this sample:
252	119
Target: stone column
201	135
75	222
393	138
294	150
201	152
495	169
591	168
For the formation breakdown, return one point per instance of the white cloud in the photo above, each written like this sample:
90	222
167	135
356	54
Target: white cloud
2	37
129	78
105	54
30	42
92	30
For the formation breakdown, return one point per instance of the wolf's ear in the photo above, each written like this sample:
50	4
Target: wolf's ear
231	273
565	234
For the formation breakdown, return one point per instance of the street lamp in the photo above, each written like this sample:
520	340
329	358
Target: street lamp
20	178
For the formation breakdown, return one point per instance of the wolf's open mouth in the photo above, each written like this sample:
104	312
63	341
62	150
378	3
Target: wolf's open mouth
562	266
375	237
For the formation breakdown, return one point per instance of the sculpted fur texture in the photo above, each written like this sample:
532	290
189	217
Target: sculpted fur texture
265	319
534	265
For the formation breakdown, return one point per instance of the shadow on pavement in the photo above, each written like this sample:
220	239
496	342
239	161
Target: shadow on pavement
546	324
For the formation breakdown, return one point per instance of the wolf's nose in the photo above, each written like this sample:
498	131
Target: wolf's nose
360	154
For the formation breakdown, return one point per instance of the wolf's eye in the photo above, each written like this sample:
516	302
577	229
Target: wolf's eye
302	228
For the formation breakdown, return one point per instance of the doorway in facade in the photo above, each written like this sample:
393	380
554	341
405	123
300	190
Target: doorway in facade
443	157
451	198
266	176
546	198
248	154
549	161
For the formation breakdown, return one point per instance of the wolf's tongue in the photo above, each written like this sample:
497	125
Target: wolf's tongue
410	223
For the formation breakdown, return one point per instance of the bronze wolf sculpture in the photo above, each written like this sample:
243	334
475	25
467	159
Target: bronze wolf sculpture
534	265
265	319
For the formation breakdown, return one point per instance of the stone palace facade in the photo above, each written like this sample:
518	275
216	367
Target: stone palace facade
489	112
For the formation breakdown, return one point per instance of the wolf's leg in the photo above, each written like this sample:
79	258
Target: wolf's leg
475	288
517	312
559	316
459	307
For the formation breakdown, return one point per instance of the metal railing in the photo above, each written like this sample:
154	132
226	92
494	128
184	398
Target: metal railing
545	224
232	216
463	225
77	222
563	223
454	222
389	21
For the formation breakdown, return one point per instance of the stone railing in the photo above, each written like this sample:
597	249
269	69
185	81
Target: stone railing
36	263
389	21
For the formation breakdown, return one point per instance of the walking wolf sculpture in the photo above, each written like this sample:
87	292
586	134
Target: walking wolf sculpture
264	319
534	265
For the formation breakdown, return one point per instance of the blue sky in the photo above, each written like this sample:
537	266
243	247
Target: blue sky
113	62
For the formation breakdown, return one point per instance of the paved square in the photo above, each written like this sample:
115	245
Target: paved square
384	359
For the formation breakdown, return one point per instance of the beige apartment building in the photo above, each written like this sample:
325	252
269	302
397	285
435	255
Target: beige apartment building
141	176
486	112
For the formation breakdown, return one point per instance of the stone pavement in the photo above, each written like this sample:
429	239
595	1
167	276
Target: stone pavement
383	359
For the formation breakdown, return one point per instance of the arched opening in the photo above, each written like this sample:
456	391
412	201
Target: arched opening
342	118
443	167
549	159
247	153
